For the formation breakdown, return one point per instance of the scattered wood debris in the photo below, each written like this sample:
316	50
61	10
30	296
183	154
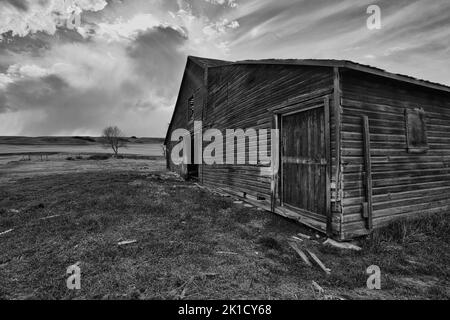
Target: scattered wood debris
15	211
166	176
136	183
319	263
342	245
213	191
238	202
298	239
300	253
220	192
208	274
5	232
248	205
200	186
122	243
183	287
170	175
53	216
304	236
317	287
225	252
412	260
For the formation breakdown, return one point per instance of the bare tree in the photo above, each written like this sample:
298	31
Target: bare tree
114	138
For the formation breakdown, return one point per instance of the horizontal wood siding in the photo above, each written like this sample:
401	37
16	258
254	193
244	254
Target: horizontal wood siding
238	98
404	184
192	84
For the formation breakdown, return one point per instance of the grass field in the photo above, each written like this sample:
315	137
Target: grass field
70	140
190	244
11	145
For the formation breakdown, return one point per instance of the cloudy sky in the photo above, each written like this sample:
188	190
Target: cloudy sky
123	64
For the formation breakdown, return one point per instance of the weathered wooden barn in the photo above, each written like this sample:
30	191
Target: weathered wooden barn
359	146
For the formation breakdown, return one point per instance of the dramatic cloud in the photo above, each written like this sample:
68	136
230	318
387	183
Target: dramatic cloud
22	17
18	4
230	3
413	38
120	67
123	64
80	87
4	80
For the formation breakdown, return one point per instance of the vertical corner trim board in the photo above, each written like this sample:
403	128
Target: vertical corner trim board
337	120
328	168
367	206
275	165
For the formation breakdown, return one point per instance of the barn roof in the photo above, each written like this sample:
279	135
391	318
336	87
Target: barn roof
206	62
212	63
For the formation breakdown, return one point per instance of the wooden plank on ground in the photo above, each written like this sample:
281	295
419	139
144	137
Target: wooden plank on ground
300	253
319	263
5	232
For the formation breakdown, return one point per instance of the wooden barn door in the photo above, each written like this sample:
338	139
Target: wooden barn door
305	154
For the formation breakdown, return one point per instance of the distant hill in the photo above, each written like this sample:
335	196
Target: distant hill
75	140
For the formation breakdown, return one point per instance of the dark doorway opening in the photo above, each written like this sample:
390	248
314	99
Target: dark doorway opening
192	169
